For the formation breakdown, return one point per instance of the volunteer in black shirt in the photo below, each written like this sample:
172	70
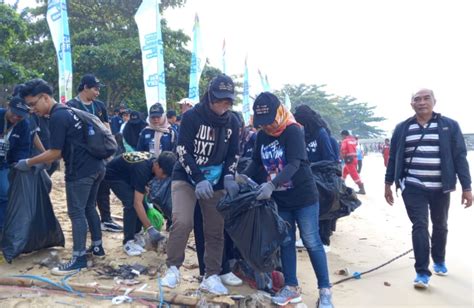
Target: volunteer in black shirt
83	172
280	149
207	158
127	175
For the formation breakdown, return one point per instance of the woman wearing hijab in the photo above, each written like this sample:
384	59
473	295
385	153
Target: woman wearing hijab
159	135
319	146
280	149
132	130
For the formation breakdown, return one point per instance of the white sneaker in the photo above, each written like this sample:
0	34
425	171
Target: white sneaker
171	279
213	284
327	248
132	248
231	280
299	243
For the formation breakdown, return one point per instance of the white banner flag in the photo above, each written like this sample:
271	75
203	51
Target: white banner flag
59	27
148	20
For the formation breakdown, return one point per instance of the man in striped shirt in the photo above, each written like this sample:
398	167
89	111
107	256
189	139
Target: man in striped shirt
427	152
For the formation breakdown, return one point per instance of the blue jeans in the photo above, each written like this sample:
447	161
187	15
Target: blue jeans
4	185
126	193
81	196
307	219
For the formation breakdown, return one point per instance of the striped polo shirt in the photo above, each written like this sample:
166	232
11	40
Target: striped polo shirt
425	168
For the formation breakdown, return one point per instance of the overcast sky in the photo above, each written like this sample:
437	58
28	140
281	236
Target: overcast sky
377	51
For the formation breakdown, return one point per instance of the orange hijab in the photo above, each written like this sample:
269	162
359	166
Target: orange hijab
283	119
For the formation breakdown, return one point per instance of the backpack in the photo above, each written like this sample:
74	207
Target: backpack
100	143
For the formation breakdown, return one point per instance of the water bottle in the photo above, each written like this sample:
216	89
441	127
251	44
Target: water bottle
152	146
91	131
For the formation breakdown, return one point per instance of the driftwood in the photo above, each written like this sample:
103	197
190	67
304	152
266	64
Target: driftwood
169	297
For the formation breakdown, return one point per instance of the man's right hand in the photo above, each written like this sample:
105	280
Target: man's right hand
388	194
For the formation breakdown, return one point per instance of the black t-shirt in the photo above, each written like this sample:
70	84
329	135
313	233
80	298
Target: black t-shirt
66	133
97	108
274	153
134	168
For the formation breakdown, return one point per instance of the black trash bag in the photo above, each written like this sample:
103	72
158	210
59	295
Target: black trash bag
255	227
335	198
30	223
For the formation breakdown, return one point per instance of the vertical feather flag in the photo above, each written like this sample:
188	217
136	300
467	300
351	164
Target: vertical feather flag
148	20
287	101
223	58
197	62
264	82
59	27
246	95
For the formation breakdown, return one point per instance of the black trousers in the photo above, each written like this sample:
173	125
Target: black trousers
103	201
420	204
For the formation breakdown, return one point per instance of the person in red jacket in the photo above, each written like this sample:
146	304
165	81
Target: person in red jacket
386	151
349	155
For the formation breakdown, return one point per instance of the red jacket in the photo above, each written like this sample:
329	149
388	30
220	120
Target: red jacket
349	147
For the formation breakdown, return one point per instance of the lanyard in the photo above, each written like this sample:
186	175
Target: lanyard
85	107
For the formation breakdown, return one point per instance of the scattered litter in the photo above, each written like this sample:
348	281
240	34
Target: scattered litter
123	271
52	260
126	282
190	266
343	272
362	239
387	284
122	298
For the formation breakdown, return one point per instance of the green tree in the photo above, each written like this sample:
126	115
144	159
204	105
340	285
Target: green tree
13	32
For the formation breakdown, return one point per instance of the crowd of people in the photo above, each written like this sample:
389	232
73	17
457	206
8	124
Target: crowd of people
186	164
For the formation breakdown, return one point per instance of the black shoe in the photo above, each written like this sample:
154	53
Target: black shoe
73	266
111	226
97	251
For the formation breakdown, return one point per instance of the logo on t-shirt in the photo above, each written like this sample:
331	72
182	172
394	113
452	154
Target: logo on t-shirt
311	147
273	159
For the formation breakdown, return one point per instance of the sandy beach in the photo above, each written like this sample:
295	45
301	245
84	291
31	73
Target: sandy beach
372	235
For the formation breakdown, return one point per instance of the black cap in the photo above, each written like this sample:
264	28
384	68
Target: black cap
345	132
222	87
265	109
19	107
91	81
134	117
156	110
171	113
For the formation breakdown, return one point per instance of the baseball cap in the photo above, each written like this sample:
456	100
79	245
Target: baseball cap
265	109
91	81
18	106
171	113
222	87
156	110
187	101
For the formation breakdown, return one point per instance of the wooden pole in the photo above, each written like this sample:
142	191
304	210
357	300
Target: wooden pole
169	297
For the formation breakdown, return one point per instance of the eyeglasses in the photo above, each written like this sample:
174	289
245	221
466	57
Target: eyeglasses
33	104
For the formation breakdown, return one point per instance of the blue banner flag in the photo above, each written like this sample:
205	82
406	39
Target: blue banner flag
197	62
246	96
59	27
264	82
148	21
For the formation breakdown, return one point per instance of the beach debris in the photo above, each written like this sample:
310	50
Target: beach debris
387	284
122	271
343	272
117	300
52	260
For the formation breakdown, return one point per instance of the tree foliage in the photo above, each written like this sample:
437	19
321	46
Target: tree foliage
339	112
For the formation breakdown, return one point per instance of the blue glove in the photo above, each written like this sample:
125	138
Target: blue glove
22	165
265	191
231	186
204	190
